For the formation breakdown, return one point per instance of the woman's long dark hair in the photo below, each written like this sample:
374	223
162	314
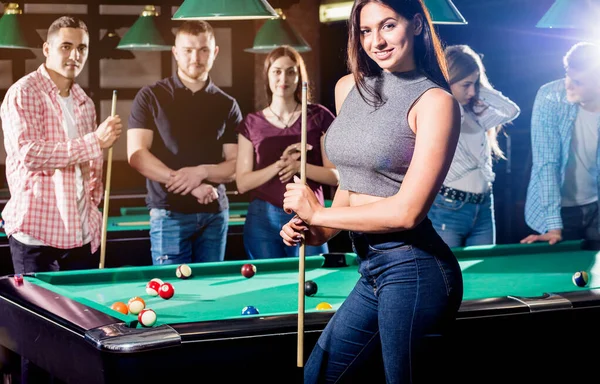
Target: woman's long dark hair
428	52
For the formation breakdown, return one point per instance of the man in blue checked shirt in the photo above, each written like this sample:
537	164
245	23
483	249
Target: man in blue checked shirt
562	196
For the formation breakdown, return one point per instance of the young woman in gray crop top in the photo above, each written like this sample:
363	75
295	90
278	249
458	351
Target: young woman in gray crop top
392	144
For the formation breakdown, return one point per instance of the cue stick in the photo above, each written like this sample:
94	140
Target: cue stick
107	189
300	362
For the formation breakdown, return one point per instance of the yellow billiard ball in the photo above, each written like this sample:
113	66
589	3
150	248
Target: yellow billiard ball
324	306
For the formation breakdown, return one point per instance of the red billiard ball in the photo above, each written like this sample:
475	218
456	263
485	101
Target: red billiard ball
147	317
166	291
248	270
183	271
152	288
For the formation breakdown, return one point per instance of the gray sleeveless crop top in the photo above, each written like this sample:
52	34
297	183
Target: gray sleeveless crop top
372	147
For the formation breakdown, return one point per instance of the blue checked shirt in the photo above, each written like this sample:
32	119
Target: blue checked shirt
552	122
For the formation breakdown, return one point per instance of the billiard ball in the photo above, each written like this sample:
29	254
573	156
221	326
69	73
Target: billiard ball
120	306
580	278
136	304
310	288
18	278
183	271
147	317
166	291
249	310
324	306
152	288
159	281
248	270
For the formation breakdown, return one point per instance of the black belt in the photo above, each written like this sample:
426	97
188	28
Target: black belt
469	197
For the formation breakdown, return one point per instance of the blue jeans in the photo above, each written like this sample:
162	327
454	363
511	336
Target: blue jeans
463	224
178	238
261	233
406	299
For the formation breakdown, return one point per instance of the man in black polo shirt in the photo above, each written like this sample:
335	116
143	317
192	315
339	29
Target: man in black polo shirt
181	137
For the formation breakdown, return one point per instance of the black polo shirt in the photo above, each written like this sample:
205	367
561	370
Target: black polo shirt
189	129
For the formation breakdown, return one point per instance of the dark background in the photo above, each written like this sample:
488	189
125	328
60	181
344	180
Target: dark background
519	58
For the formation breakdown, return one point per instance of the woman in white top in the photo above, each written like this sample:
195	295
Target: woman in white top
463	211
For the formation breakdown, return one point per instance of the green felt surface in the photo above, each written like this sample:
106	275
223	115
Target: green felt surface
218	291
215	291
525	269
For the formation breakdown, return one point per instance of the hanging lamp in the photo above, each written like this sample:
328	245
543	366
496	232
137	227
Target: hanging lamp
576	14
12	35
444	12
144	35
441	11
275	33
224	10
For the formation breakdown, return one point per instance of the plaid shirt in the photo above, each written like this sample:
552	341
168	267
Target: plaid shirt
41	160
552	122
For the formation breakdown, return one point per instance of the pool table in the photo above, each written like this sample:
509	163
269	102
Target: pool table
521	319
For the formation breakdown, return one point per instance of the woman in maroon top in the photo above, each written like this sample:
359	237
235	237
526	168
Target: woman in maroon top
269	157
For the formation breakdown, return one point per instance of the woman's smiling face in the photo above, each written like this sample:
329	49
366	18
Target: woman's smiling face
388	38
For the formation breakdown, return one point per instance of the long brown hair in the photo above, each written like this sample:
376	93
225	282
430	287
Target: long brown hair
428	52
293	54
463	61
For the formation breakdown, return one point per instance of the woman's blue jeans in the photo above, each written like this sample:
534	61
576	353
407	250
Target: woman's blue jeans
463	224
407	297
261	233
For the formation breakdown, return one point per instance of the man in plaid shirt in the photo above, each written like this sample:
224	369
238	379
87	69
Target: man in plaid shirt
54	159
562	197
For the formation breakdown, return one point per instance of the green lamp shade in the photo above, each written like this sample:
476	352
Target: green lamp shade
275	33
444	12
441	11
224	10
144	36
580	14
15	37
